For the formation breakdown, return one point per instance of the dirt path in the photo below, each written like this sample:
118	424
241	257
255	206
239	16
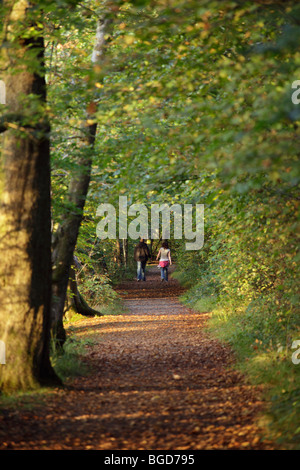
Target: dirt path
159	382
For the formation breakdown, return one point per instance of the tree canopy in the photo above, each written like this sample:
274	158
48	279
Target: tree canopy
194	102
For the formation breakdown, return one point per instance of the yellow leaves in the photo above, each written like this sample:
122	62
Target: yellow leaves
176	377
202	25
80	52
204	34
153	100
12	125
97	68
128	39
223	74
154	84
238	15
126	89
130	108
18	10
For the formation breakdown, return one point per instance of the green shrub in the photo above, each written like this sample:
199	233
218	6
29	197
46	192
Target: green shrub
68	361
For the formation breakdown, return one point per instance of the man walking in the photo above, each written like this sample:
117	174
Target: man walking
141	256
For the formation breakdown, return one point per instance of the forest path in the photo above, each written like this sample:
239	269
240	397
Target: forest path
158	382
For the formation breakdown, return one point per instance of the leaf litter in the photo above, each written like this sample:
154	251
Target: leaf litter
157	381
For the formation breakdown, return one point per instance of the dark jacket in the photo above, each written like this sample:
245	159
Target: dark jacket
141	252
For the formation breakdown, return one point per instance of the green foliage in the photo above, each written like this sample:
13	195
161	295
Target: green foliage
68	362
194	106
99	291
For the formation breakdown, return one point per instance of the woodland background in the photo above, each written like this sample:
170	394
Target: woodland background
170	102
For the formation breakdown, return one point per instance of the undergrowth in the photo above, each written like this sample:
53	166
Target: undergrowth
266	358
67	361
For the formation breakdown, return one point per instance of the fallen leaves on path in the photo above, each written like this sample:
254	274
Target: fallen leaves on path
158	382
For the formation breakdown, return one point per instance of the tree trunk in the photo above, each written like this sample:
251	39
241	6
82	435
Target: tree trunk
66	236
118	252
63	249
25	231
77	301
125	251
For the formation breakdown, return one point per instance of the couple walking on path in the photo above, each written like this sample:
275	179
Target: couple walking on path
142	254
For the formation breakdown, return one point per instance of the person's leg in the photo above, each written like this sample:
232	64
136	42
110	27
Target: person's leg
139	270
144	271
162	273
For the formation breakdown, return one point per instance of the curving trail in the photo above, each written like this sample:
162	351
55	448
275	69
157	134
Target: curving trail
158	382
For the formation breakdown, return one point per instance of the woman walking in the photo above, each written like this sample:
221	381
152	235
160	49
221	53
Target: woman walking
165	260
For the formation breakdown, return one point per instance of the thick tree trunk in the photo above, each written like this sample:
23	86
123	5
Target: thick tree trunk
25	232
66	236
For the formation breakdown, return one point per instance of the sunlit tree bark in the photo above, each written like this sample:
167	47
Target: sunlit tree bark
25	233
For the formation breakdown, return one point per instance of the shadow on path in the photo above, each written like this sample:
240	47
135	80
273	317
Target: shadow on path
158	382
